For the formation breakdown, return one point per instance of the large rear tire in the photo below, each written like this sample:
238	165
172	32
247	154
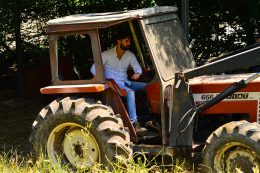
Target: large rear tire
235	145
78	132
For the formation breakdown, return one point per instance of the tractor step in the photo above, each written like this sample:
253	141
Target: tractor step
151	137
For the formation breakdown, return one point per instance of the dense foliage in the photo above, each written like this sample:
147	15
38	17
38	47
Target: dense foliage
216	26
219	26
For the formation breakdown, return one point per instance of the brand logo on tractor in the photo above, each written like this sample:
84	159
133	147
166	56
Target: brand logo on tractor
236	96
207	96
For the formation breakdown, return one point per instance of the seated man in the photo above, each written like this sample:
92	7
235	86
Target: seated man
116	62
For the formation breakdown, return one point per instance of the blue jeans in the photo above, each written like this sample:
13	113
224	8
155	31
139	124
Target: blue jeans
130	97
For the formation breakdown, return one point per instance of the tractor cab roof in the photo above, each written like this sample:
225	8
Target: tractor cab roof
80	22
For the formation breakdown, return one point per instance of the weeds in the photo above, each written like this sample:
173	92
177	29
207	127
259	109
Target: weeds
13	162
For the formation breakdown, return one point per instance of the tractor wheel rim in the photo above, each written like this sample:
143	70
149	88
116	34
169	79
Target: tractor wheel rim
232	154
75	143
243	159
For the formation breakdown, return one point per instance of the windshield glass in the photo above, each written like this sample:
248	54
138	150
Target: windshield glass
167	44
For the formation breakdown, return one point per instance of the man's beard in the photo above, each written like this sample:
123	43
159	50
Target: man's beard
124	47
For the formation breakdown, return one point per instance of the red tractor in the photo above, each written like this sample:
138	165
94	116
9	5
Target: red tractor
191	109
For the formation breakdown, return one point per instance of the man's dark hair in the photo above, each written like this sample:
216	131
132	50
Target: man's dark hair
122	34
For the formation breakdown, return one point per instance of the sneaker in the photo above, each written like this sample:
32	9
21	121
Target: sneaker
140	131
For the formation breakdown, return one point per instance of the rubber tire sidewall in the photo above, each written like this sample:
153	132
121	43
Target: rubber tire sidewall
217	143
48	126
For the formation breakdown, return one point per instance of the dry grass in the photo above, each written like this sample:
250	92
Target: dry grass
12	162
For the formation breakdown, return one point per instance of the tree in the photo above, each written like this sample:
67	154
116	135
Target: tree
219	26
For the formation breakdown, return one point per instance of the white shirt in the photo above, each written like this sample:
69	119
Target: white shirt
116	68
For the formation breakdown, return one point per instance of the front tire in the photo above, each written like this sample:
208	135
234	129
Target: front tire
78	132
235	145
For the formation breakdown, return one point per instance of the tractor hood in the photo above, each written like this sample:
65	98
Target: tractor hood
217	83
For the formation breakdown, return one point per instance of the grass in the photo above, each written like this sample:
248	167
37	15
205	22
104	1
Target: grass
12	162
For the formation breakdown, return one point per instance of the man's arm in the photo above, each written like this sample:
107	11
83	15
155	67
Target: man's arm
93	68
136	67
136	76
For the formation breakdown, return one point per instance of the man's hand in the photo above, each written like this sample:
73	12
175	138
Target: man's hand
136	76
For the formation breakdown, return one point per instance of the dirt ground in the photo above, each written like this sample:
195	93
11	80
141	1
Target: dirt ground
16	117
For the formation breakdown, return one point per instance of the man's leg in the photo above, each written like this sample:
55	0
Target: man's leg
130	102
131	106
130	98
137	85
142	105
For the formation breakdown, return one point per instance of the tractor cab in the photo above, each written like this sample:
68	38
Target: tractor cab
157	41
